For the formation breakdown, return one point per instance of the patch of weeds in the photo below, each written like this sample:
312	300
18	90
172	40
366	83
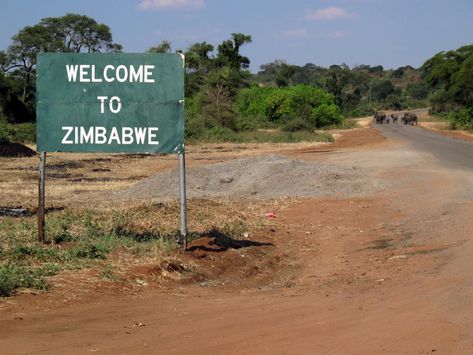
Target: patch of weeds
88	251
41	253
235	228
108	273
165	245
63	237
58	227
49	269
13	278
137	236
92	228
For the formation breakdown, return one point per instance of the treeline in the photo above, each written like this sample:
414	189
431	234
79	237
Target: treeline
224	99
358	91
449	78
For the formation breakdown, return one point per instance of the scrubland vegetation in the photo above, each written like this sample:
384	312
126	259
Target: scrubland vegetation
226	102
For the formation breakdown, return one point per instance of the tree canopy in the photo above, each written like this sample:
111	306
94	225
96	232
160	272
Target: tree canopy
69	33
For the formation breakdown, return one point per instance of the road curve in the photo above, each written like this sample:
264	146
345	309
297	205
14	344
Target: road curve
450	152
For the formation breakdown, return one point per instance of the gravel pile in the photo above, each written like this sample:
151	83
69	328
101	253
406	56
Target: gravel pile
261	177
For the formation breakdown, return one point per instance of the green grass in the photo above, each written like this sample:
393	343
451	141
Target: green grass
14	277
78	239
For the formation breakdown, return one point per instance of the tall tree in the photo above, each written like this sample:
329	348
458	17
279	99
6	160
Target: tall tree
163	47
199	63
449	76
229	52
69	33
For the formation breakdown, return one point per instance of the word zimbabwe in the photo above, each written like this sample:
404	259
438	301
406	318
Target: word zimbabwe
100	135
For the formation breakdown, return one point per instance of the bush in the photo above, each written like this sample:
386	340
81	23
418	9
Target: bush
4	137
13	278
17	133
194	127
299	101
361	110
250	101
297	124
249	123
462	119
326	115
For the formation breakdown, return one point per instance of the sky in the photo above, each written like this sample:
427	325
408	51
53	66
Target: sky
391	33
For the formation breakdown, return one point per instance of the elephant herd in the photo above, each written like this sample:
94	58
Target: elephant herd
408	118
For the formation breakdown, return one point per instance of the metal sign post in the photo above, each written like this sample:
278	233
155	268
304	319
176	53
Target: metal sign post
182	195
41	194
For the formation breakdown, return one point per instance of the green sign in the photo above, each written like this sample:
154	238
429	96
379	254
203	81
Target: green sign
129	103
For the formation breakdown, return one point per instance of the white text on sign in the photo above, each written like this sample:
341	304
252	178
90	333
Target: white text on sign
85	73
100	135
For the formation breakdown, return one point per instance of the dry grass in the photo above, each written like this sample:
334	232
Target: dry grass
118	240
86	232
76	179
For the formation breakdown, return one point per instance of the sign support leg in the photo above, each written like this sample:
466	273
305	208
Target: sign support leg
182	196
41	194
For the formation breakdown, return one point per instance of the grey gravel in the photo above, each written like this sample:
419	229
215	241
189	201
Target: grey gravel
260	177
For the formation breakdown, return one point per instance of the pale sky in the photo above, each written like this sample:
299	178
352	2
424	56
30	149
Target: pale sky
392	33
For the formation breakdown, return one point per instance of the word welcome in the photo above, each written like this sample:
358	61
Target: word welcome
86	73
100	135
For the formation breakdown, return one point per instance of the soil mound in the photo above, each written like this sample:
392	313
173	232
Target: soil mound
15	150
260	177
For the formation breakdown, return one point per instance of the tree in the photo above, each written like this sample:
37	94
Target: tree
79	33
198	65
278	71
69	33
163	47
198	56
449	75
21	55
229	52
382	89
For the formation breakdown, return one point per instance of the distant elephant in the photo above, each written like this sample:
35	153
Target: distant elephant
394	118
409	118
379	117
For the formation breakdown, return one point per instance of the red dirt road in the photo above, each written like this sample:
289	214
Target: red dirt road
389	273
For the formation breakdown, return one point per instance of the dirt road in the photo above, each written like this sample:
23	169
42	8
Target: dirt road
385	273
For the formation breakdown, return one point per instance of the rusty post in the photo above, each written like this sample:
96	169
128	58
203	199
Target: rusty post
41	193
182	196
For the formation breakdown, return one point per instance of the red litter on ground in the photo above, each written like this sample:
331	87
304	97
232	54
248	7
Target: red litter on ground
270	215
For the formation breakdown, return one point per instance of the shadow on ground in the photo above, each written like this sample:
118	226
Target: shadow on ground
216	241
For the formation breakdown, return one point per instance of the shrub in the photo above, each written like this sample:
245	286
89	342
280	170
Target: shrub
462	119
297	124
194	127
250	101
326	115
13	278
277	104
249	123
17	133
4	137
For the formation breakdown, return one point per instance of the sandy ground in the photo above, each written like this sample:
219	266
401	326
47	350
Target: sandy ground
388	272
